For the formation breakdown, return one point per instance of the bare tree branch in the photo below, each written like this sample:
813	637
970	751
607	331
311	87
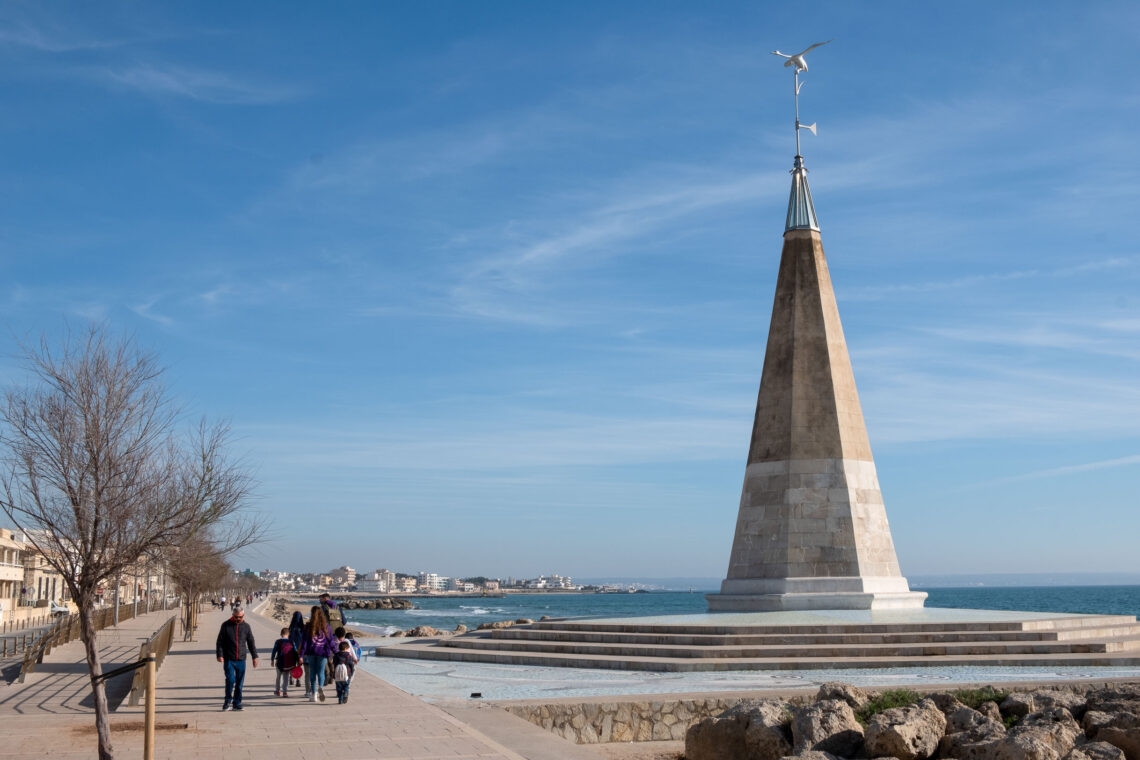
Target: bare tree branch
97	473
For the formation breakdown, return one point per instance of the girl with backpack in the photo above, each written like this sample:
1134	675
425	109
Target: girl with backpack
317	648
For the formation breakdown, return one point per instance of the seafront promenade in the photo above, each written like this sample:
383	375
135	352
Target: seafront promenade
51	715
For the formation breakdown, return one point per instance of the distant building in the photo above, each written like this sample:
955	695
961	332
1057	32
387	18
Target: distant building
550	581
431	582
406	585
379	582
11	572
387	579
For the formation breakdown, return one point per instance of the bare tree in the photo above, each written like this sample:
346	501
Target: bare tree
96	469
196	567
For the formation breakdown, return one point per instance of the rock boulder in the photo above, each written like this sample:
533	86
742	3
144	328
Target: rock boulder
827	726
906	733
852	695
1095	751
750	731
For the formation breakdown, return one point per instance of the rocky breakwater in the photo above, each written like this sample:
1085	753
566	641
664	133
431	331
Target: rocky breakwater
427	632
283	609
1062	723
383	603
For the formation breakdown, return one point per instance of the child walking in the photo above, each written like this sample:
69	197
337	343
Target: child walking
284	656
344	665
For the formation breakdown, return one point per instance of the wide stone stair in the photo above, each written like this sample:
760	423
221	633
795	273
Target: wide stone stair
1066	641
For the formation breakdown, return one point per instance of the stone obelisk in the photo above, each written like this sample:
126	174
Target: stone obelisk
812	530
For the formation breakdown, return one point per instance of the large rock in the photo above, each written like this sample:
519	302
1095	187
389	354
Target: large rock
1117	698
1021	703
907	733
991	711
852	695
970	720
809	755
717	738
426	632
749	731
947	703
970	735
827	726
1095	751
1119	728
1046	735
769	732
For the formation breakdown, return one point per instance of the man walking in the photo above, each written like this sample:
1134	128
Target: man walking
235	639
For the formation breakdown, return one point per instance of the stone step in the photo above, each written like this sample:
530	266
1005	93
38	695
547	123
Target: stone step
426	649
1067	623
809	650
910	637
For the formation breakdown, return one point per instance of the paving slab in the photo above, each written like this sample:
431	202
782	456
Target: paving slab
51	716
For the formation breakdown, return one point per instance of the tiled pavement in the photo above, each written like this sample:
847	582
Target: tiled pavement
47	716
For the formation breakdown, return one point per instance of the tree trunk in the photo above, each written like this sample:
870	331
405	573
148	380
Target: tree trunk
98	690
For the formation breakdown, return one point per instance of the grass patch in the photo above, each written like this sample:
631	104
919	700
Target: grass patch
975	698
886	701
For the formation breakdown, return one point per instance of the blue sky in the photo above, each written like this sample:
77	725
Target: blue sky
485	287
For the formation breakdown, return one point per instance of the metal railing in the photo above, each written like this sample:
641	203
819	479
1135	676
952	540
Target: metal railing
66	628
157	645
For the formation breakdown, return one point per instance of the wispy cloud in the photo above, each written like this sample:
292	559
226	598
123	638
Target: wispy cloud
877	292
146	311
194	83
22	33
523	263
1072	469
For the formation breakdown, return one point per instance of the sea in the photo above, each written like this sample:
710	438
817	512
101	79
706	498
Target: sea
447	613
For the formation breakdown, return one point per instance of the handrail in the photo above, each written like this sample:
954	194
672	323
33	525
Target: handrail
158	645
67	628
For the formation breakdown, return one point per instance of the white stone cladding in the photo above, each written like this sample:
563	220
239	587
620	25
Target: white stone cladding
811	531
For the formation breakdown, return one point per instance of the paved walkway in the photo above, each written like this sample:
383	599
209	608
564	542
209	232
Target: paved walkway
52	711
47	716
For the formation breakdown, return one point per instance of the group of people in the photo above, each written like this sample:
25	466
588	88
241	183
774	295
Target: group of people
311	649
220	603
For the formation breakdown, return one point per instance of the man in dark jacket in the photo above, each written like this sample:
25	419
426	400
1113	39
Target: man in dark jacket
235	639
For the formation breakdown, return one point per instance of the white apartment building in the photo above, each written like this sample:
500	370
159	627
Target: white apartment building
550	581
11	572
380	582
432	582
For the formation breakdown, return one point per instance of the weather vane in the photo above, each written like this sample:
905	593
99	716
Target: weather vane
800	64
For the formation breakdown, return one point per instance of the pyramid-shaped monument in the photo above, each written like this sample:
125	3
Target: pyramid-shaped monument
812	530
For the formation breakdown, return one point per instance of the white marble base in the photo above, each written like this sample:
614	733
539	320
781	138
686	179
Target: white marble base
883	600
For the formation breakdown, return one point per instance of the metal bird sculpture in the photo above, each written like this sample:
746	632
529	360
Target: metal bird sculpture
797	60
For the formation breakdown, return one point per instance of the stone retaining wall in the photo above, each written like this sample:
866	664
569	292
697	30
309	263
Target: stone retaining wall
665	720
603	722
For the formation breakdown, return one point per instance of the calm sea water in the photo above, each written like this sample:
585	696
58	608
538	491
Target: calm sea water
448	613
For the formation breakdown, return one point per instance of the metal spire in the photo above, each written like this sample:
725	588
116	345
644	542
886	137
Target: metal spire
801	210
